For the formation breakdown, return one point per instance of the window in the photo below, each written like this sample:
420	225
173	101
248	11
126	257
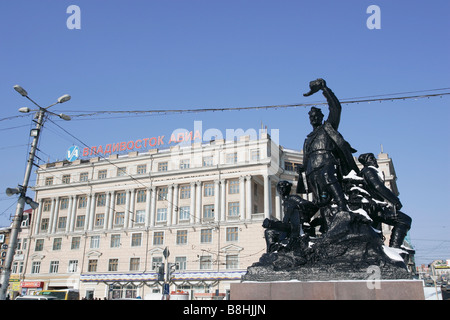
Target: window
231	158
115	240
185	163
206	236
66	178
80	222
181	262
161	215
288	166
102	174
208	190
44	224
101	200
208	161
99	220
140	217
95	242
233	209
35	267
15	267
205	262
73	266
156	262
75	243
254	155
136	239
119	218
232	234
158	238
39	245
48	181
47	204
57	243
62	223
208	212
231	261
233	186
92	265
122	171
184	213
82	202
185	192
162	193
113	265
120	198
182	237
84	176
54	266
141	169
134	264
162	166
141	196
64	203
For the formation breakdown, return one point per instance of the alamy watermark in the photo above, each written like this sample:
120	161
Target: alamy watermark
374	277
74	20
374	20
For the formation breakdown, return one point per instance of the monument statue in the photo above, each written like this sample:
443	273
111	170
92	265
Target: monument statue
327	156
349	204
297	212
385	204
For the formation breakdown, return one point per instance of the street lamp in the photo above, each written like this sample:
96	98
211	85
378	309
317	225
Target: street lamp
22	189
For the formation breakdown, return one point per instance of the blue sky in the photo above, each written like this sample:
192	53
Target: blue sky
152	55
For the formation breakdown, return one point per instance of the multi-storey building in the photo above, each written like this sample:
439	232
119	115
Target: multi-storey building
103	223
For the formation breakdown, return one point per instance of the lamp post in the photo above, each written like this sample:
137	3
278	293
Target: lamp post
22	189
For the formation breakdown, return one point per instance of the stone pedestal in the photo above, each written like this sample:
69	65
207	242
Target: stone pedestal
329	290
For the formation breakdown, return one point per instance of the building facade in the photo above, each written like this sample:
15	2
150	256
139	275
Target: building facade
103	223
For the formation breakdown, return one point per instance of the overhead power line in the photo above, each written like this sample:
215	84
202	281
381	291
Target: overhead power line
201	110
80	113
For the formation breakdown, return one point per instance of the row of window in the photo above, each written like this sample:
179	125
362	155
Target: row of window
230	158
205	262
184	214
232	235
141	196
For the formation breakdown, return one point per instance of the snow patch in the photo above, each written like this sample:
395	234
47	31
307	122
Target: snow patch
393	253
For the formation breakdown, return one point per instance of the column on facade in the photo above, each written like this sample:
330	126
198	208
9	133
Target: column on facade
278	205
249	197
153	207
267	196
52	216
223	202
38	217
69	214
242	211
192	207
107	205
148	199
127	209
217	211
175	208
169	204
132	214
111	210
73	213
198	200
88	213
91	207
